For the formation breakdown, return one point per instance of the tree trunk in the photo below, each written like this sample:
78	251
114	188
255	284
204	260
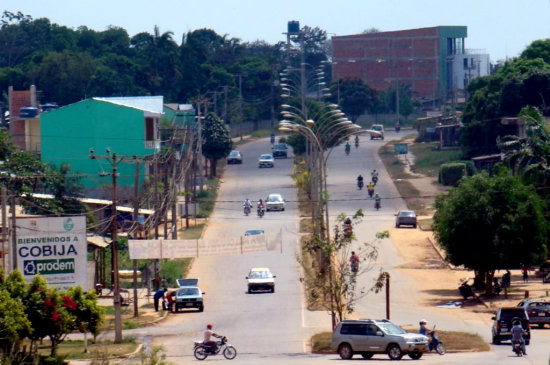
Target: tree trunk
489	275
213	164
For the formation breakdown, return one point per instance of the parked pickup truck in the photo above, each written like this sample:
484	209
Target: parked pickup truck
189	295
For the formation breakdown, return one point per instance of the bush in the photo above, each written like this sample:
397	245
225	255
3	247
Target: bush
451	173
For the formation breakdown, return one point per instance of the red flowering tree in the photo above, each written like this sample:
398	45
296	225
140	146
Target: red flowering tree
88	314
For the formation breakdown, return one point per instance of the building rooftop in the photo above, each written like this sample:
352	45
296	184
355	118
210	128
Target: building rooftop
153	104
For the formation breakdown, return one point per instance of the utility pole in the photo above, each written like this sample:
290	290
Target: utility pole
4	227
241	106
114	160
13	234
136	217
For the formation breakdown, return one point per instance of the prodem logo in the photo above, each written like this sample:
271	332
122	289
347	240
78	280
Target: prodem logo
48	267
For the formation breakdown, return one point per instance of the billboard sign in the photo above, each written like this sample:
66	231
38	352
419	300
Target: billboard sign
53	247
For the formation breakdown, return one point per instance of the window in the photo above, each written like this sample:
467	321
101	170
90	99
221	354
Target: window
150	129
465	60
354	329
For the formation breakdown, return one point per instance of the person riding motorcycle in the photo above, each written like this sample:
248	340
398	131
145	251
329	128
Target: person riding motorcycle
247	205
377	201
354	262
356	141
348	148
423	329
517	335
374	176
272	138
348	230
260	205
370	189
360	181
208	334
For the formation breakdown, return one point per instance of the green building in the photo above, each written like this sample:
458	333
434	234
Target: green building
127	126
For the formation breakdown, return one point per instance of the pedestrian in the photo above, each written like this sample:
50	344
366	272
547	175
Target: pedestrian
506	278
159	294
525	273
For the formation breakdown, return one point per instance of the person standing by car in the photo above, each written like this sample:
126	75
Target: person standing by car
159	294
525	273
170	300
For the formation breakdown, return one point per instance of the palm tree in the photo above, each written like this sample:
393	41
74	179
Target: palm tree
529	156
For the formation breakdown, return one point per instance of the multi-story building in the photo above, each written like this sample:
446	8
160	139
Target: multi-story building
433	61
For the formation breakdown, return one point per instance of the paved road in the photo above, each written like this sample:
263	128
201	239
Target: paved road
274	328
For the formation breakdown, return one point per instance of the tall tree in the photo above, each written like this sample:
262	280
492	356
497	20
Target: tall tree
491	223
216	141
354	96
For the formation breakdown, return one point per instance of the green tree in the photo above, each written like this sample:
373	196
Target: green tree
354	96
14	324
88	314
216	141
491	223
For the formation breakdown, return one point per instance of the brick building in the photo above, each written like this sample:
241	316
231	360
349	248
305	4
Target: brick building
430	60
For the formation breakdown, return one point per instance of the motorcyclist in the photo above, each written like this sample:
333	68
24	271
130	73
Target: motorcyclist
247	203
354	262
377	201
348	147
272	138
517	335
356	139
208	334
260	205
374	175
360	181
348	230
370	188
423	329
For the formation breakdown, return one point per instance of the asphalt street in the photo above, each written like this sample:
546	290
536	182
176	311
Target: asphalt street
274	328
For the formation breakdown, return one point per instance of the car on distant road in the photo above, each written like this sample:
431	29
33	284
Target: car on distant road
504	320
274	202
538	311
260	279
189	295
254	232
266	160
405	218
235	157
368	337
378	131
279	150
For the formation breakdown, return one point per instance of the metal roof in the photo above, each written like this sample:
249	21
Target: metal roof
153	104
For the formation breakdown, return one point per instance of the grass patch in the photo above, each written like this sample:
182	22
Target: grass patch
207	197
104	349
454	341
191	233
128	319
428	157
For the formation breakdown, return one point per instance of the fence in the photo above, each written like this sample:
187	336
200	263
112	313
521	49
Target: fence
172	249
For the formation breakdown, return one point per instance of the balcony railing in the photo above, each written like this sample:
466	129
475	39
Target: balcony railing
152	144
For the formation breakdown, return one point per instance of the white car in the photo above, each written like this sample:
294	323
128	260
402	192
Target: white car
262	279
377	131
275	202
266	160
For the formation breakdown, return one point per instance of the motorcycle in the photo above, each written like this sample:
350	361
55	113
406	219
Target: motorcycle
272	139
371	192
348	150
356	144
360	184
348	230
246	210
466	290
435	343
202	351
377	204
374	179
516	347
99	289
261	211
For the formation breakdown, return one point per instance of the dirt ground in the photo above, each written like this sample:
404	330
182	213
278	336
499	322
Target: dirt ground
424	261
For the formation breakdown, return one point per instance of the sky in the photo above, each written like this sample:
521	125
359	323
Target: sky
502	28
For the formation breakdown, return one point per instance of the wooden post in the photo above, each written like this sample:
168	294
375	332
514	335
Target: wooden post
388	297
136	216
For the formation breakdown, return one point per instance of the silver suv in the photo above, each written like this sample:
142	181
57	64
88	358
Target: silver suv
368	337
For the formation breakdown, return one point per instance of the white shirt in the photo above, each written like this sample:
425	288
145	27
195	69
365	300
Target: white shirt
208	335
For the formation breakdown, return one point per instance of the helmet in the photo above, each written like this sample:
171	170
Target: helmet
209	326
423	321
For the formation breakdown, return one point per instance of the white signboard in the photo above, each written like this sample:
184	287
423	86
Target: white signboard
54	248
